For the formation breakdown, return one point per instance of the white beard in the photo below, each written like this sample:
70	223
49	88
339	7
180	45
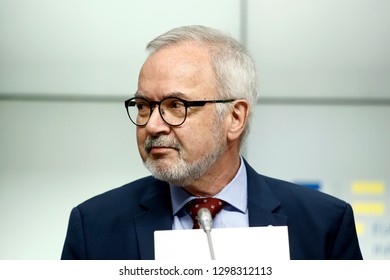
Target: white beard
180	172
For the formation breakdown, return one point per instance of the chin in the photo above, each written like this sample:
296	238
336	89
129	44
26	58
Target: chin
158	165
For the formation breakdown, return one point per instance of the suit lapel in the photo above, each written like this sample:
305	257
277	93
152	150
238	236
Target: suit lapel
262	203
157	216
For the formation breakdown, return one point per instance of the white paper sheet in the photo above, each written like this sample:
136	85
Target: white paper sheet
252	243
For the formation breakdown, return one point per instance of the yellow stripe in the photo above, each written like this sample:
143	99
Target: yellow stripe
369	208
359	228
368	187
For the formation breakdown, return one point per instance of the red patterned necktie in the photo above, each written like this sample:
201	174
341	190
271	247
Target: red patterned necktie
213	204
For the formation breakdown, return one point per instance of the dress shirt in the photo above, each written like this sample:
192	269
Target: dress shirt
234	213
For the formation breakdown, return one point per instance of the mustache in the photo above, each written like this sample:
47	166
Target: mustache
161	141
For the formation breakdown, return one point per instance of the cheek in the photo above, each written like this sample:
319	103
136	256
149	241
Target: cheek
141	137
196	141
201	131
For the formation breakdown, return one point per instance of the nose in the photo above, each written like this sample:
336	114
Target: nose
156	125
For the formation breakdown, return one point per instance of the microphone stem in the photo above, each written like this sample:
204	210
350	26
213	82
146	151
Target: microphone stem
211	248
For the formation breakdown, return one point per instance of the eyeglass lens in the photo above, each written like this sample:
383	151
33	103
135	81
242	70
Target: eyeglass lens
172	110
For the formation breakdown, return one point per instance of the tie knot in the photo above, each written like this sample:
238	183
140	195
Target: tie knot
214	205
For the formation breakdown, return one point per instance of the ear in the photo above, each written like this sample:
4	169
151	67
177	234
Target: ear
238	119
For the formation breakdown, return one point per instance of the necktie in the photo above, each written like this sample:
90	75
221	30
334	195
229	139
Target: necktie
213	204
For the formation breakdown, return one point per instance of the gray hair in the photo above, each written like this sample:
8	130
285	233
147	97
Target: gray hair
234	67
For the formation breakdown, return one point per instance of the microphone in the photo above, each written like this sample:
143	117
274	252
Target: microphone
206	221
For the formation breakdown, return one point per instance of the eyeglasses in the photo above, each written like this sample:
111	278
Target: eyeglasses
173	110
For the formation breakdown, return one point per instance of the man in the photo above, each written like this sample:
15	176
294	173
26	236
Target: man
196	92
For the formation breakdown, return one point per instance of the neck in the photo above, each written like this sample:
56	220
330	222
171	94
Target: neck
217	177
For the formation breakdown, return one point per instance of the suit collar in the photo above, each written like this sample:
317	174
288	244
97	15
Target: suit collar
157	214
262	203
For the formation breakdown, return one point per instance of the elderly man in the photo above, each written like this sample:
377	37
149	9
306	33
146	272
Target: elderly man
196	93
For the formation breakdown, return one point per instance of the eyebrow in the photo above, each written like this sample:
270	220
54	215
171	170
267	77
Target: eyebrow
138	94
171	94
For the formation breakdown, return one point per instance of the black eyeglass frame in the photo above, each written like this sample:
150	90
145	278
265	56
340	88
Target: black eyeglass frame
187	104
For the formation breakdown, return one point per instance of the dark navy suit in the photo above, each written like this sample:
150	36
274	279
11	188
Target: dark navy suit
120	223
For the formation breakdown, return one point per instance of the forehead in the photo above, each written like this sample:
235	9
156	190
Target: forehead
183	67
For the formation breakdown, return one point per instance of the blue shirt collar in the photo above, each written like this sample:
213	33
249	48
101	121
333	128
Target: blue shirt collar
235	193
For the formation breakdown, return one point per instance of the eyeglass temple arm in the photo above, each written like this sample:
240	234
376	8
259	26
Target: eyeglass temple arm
203	102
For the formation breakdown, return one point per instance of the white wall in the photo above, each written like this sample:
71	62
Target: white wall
323	48
92	46
334	147
55	155
65	69
324	113
67	66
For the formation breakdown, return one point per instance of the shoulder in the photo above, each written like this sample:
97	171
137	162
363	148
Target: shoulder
293	197
127	196
308	206
291	189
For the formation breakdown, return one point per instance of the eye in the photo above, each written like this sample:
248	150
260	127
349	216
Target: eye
141	105
174	103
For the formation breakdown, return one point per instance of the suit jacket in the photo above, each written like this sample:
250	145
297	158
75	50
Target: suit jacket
120	223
